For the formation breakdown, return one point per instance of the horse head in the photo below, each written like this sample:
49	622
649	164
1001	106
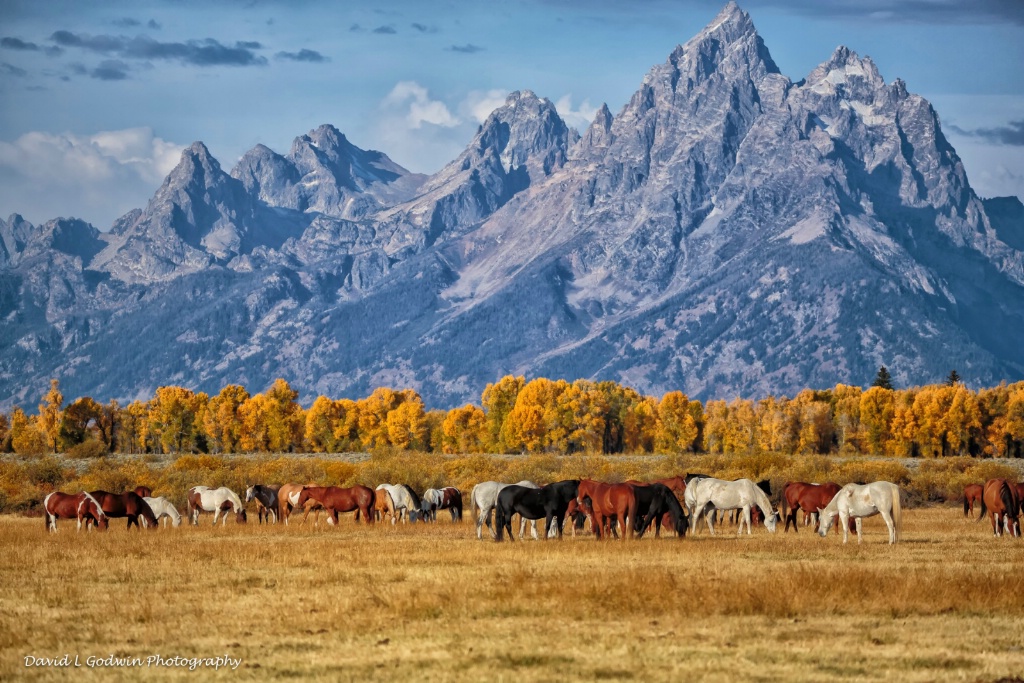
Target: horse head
825	519
250	493
240	517
770	522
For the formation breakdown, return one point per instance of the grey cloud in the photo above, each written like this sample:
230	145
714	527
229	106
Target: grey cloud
110	70
207	52
303	55
10	43
385	30
355	28
153	24
423	28
1010	134
467	49
11	70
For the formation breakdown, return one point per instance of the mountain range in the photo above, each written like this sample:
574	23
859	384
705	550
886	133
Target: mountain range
728	232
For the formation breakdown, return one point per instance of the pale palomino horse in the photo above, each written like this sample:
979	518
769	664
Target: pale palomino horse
864	500
165	510
205	499
709	495
405	505
483	499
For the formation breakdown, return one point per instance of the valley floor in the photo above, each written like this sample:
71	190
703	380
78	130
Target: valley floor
431	603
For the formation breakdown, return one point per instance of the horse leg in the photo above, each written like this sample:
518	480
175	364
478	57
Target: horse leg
711	519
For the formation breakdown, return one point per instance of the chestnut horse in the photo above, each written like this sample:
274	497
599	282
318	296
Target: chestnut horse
608	501
972	495
999	499
130	505
288	499
81	506
809	498
383	506
337	500
144	491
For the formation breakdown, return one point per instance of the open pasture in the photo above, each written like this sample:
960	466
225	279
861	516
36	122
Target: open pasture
430	603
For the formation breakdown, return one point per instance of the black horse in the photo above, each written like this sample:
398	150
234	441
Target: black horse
653	502
266	496
549	502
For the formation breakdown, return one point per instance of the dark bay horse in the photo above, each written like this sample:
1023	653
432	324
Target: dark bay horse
81	506
972	496
335	500
809	498
609	501
129	504
549	502
452	501
266	501
654	503
999	499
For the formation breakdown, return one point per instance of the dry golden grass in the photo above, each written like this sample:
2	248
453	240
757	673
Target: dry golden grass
431	603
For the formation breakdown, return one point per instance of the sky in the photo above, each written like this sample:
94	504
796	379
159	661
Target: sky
97	100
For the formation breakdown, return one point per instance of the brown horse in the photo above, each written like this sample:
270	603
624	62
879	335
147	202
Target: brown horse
80	506
337	500
578	515
383	506
1020	495
972	495
288	499
130	505
809	498
608	501
999	499
144	491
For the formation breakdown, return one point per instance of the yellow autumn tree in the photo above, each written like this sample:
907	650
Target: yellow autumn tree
464	430
27	436
50	411
877	409
676	429
497	402
173	419
846	417
534	423
321	422
716	425
223	420
407	426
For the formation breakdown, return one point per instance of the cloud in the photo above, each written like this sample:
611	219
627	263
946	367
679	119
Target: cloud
467	49
385	30
303	55
1010	134
11	70
207	52
579	118
422	109
423	28
479	104
356	28
96	177
9	43
153	24
110	70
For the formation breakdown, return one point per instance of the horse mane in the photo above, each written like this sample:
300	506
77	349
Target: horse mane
762	501
99	508
415	497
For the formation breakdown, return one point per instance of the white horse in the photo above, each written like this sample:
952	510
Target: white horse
431	501
709	495
162	508
864	500
405	503
483	500
205	499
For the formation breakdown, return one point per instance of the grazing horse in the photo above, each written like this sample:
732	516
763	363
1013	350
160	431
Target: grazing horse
288	500
336	500
609	501
717	494
655	502
204	499
1020	495
549	502
972	495
578	516
864	500
805	497
266	500
130	505
482	500
163	509
407	503
449	498
1000	501
81	506
383	506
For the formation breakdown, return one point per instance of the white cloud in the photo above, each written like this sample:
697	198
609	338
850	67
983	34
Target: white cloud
96	177
422	109
579	118
479	104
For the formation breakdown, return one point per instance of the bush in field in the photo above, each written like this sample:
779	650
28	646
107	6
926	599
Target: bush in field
88	449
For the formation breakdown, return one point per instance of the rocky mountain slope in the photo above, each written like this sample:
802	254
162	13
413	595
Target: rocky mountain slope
728	232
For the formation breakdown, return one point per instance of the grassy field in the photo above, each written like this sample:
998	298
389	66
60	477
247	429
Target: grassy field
431	603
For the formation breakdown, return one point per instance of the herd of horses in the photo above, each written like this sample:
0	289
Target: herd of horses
624	510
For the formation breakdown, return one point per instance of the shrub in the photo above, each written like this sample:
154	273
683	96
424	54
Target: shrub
90	448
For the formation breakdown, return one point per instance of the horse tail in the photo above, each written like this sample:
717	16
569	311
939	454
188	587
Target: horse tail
1007	497
897	512
984	508
967	505
472	504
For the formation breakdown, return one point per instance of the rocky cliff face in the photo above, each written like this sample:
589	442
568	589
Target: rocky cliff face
729	231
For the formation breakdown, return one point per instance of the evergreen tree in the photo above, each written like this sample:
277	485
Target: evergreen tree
883	379
953	379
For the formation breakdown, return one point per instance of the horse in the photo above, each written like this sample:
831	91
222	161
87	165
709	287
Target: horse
81	506
383	506
653	503
549	502
428	506
864	500
482	500
288	499
809	498
451	500
1020	495
407	503
335	500
1000	501
609	501
266	500
972	495
716	494
129	504
577	517
204	499
144	491
162	508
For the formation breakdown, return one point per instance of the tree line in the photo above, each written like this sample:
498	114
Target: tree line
536	416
